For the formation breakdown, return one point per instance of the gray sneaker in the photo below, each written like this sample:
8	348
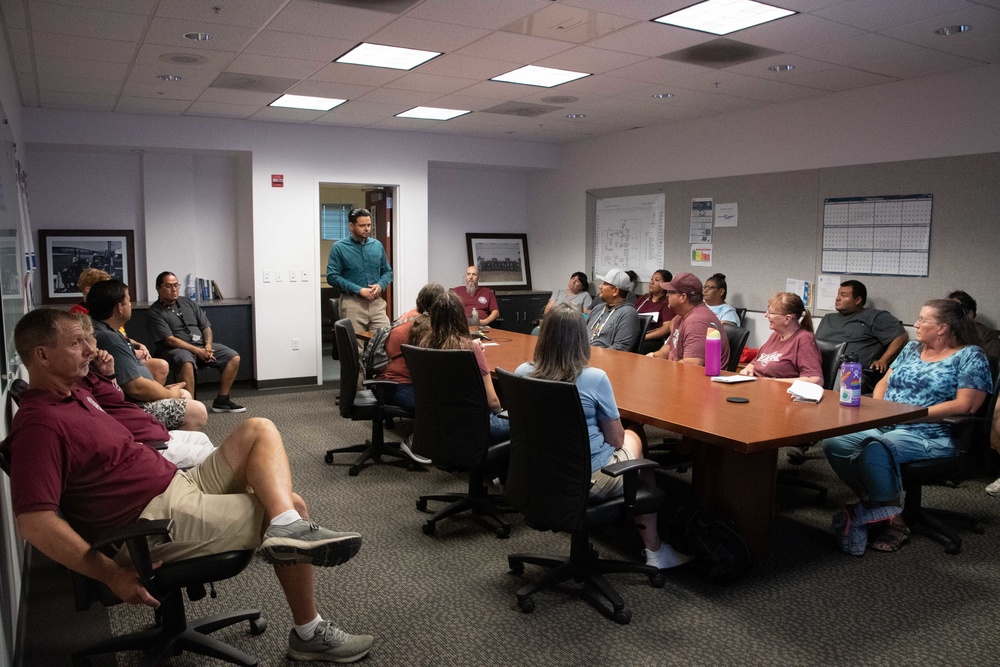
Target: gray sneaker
330	644
304	542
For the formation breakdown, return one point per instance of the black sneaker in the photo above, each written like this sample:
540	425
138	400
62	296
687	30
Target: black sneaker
226	405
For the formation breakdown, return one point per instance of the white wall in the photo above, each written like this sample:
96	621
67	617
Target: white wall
471	200
285	220
933	117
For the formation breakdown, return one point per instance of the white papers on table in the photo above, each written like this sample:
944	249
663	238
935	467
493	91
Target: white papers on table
806	392
732	379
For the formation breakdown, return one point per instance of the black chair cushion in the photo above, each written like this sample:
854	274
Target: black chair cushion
648	499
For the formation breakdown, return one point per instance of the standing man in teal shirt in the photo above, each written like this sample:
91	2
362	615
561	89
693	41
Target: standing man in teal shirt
358	267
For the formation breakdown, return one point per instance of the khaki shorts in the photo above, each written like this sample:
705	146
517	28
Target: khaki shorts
212	513
606	486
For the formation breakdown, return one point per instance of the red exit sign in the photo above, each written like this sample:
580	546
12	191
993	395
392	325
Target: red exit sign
277	180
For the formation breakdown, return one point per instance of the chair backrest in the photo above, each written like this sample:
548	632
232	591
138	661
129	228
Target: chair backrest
548	478
830	352
452	424
14	392
334	316
741	313
350	366
644	321
738	337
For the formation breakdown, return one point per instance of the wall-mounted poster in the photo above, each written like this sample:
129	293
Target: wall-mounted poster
502	260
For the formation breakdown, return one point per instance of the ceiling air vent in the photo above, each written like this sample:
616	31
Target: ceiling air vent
522	109
252	82
390	6
720	53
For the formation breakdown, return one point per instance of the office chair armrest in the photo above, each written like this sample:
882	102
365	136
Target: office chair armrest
140	529
622	467
383	384
963	420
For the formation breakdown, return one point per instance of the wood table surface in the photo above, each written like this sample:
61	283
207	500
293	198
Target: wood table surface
736	472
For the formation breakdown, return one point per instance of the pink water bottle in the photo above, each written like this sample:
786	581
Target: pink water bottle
713	352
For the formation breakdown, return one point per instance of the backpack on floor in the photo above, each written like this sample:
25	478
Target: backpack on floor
375	359
711	535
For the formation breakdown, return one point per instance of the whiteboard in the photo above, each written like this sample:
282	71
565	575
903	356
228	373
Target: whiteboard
629	234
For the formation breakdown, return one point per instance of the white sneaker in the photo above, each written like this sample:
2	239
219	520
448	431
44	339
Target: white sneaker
666	558
994	488
405	448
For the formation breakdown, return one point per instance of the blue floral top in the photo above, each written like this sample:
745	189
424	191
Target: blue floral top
927	383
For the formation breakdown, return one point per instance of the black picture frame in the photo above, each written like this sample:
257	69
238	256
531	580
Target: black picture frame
502	260
64	253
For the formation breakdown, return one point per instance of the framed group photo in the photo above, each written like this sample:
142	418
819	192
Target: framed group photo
502	260
65	253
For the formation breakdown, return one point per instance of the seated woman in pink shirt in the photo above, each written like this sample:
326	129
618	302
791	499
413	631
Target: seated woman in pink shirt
791	352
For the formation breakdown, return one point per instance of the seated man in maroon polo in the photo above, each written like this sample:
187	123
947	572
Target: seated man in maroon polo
480	299
686	342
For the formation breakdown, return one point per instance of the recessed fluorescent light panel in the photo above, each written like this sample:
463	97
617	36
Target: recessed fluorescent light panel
432	113
393	57
721	17
306	102
546	77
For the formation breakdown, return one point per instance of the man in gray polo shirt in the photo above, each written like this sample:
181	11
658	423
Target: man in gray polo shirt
876	336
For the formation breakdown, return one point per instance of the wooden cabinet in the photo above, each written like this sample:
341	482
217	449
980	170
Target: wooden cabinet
520	311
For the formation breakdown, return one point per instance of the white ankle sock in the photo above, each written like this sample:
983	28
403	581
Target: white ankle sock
285	518
307	630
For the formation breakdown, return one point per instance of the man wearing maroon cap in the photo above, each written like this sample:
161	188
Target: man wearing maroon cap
687	342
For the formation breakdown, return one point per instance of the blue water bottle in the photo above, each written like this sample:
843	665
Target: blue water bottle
850	380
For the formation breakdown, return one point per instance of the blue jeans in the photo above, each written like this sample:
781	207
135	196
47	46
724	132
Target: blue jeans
499	429
868	461
401	396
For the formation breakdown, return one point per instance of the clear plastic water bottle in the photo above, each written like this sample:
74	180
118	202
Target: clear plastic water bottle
474	320
850	381
192	292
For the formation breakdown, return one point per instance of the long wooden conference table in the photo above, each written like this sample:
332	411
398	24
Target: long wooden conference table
736	444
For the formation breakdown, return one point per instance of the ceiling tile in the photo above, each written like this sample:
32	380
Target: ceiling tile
18	40
220	110
152	106
340	118
230	12
467	67
88	48
23	64
796	32
932	62
70	84
426	35
303	47
379	109
555	97
146	74
357	74
641	10
842	79
404	98
878	16
315	18
650	39
590	60
339	91
566	23
86	69
83	22
499	91
859	51
230	96
126	6
77	101
171	32
272	66
985	49
404	123
429	83
157	55
598	85
164	90
287	115
13	14
463	101
759	67
658	70
488	14
504	45
983	20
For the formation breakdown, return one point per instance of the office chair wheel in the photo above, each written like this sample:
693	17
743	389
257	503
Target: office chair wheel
428	528
422	504
354	470
623	616
821	496
258	626
977	528
516	566
527	605
656	580
328	458
952	549
503	532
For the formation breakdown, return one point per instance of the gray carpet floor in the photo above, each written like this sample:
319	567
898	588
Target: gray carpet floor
448	599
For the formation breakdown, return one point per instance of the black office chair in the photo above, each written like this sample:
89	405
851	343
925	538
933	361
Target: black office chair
364	405
830	353
738	337
549	483
970	433
742	314
644	321
174	634
452	428
334	316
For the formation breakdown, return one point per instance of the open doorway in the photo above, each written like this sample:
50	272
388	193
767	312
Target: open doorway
335	202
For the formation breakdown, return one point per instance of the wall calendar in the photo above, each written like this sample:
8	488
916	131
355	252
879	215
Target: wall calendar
877	236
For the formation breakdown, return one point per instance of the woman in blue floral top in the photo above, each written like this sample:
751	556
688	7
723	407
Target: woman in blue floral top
943	370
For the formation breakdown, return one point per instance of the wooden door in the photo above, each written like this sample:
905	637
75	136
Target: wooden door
379	202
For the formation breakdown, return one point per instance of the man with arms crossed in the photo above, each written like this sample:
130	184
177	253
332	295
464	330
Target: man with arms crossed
69	456
183	336
110	308
614	323
876	336
686	342
474	297
358	267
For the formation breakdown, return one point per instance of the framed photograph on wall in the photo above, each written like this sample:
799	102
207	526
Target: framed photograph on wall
65	253
502	260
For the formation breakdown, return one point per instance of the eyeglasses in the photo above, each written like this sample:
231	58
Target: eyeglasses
171	286
769	313
921	320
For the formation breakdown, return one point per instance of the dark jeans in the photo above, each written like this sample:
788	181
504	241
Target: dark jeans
401	396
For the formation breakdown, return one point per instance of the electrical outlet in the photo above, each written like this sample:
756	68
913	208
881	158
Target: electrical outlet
279	276
305	275
293	276
295	343
267	276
